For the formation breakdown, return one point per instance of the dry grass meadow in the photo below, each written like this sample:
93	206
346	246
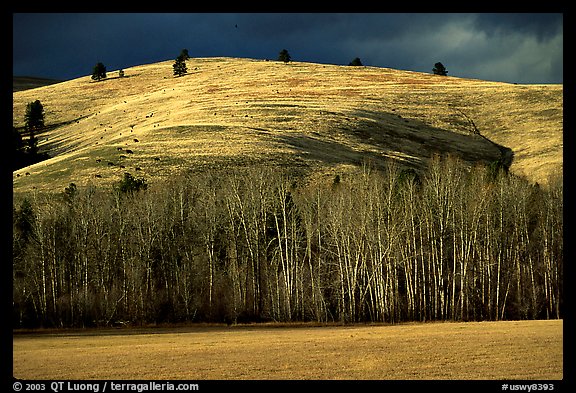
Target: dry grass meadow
507	350
317	117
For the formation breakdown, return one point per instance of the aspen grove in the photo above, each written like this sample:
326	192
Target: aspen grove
383	245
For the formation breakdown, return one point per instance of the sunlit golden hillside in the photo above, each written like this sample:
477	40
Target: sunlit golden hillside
321	118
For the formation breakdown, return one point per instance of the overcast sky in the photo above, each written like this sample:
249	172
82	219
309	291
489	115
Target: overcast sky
520	48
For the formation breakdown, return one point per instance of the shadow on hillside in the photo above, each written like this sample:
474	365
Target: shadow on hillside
312	149
506	154
378	136
109	78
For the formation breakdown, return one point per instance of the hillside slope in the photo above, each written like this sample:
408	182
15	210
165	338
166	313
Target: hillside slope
20	83
320	117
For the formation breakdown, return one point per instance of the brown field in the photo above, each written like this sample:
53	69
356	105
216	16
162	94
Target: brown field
319	117
526	350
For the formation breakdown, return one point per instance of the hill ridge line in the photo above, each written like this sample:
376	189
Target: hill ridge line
359	112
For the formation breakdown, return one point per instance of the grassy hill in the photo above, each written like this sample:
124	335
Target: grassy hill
323	118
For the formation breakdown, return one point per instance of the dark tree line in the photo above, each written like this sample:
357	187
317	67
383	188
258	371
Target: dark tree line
452	243
25	151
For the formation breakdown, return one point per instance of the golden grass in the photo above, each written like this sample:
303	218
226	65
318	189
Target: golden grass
321	116
445	351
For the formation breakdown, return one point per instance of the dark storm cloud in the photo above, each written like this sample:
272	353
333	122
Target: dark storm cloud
542	26
525	48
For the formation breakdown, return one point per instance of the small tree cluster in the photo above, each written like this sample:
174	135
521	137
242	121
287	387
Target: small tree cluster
25	152
34	116
99	72
284	56
34	120
355	62
179	65
439	69
129	184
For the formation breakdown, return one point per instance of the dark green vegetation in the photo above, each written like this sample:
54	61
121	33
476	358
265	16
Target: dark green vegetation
99	72
25	152
284	56
355	62
439	69
34	116
391	245
179	65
